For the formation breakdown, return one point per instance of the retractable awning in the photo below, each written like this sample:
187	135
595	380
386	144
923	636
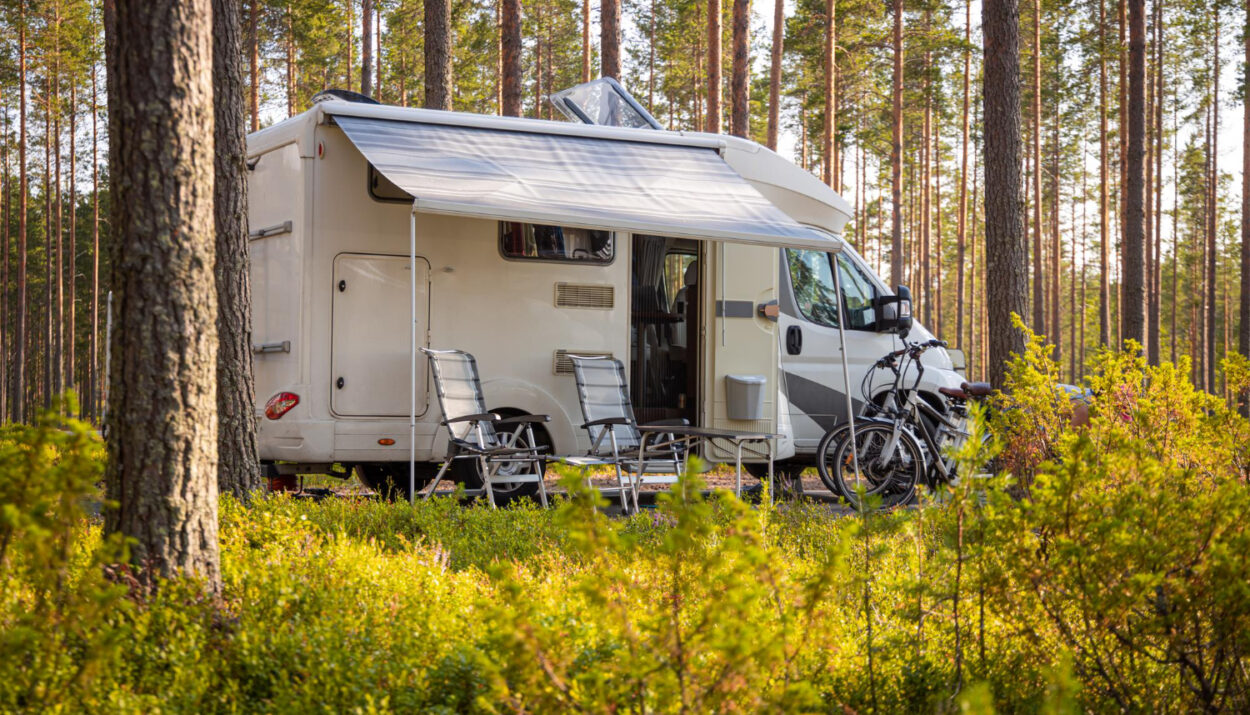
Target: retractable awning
664	189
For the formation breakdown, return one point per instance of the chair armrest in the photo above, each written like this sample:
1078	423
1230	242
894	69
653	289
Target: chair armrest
482	417
520	419
606	421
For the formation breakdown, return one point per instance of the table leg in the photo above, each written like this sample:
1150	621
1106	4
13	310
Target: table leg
738	466
769	444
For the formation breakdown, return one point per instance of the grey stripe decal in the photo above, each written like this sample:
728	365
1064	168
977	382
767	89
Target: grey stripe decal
823	404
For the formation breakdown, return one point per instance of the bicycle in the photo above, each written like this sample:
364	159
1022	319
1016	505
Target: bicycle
901	439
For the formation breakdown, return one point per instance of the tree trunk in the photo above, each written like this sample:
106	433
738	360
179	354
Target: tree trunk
366	45
1006	272
714	64
290	61
1134	308
651	59
437	55
610	38
586	38
1156	279
926	183
71	354
162	437
1056	247
740	93
831	88
17	396
1104	206
962	219
1243	334
1039	278
238	465
510	30
896	151
253	41
774	72
93	382
6	191
1212	215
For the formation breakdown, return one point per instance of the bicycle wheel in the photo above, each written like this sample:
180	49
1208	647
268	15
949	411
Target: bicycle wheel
825	459
892	477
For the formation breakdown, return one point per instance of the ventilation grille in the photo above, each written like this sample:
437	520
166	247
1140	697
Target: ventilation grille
580	295
562	365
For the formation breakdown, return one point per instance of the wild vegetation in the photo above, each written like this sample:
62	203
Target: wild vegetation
1108	574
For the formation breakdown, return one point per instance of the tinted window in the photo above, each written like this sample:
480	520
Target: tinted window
555	243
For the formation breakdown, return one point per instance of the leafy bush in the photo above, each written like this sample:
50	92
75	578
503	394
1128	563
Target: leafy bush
1116	581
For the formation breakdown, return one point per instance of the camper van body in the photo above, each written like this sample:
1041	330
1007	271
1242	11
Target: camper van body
332	280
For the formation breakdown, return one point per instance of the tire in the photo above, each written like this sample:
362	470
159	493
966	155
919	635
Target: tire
894	483
389	480
468	471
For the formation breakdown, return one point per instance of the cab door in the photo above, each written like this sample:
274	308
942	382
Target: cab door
370	348
811	349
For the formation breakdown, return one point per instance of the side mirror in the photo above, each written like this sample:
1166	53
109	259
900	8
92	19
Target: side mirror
894	312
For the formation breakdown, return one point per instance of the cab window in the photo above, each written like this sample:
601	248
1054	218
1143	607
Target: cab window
811	275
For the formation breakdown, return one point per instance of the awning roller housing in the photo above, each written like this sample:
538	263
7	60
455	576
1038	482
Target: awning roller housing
642	187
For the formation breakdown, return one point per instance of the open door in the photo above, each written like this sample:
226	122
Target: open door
741	338
370	350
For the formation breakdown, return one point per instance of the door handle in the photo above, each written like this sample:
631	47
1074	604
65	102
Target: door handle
794	340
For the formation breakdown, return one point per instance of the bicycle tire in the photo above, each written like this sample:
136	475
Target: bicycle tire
894	482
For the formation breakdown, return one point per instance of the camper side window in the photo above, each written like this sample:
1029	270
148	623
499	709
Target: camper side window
528	241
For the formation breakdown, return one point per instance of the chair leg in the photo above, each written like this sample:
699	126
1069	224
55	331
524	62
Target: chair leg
487	475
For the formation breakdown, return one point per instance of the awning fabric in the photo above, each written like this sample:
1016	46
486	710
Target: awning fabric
587	182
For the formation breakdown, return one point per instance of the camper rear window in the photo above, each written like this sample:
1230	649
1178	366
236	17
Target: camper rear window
529	241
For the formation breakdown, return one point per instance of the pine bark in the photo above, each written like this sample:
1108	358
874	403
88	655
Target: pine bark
71	328
774	73
740	82
610	38
238	465
1006	272
714	119
510	45
437	55
1134	308
896	151
162	436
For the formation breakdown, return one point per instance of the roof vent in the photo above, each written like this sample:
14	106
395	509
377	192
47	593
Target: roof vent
346	95
562	365
582	295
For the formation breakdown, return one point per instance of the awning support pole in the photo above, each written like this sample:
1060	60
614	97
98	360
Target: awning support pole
412	409
846	373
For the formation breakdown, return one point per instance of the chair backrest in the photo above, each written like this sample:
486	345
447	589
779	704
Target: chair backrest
459	392
603	393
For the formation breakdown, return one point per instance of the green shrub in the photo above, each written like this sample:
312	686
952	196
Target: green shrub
1116	581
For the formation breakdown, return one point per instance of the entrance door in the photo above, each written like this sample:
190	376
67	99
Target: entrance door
665	329
370	351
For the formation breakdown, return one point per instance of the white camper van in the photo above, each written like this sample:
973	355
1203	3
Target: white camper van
704	262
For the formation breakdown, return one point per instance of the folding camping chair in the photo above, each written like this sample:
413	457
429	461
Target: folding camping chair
614	436
502	457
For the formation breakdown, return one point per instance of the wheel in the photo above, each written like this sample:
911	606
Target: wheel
788	476
468	471
892	480
825	459
389	480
